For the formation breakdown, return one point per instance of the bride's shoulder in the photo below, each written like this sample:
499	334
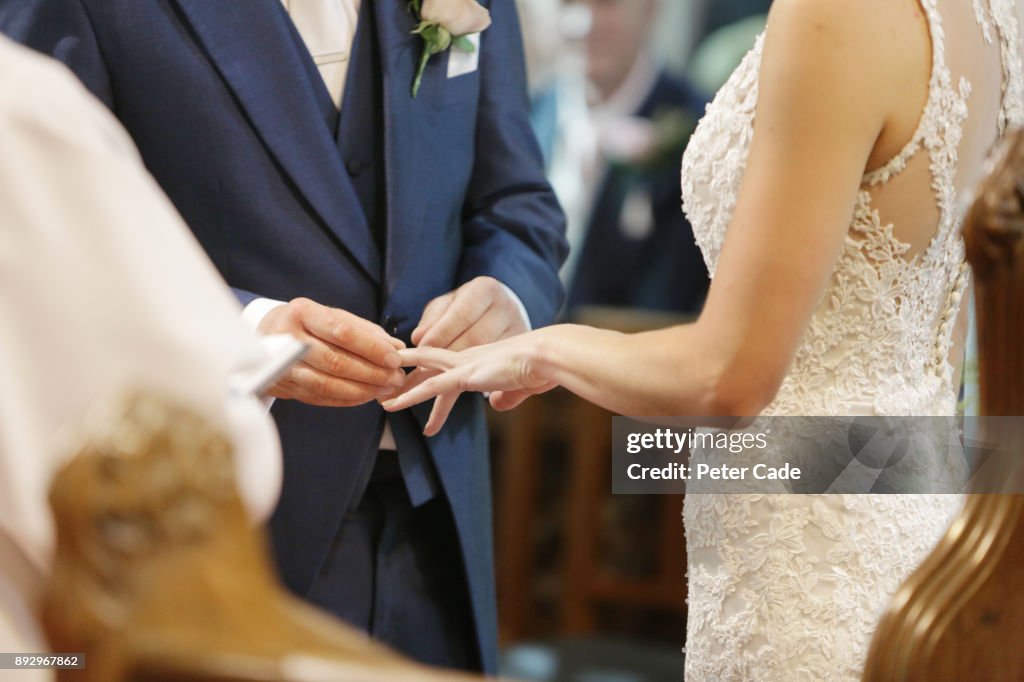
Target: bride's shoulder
852	13
877	45
863	25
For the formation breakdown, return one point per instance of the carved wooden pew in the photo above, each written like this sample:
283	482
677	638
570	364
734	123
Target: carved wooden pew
160	577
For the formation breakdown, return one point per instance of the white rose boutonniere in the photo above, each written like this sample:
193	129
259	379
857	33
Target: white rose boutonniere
444	23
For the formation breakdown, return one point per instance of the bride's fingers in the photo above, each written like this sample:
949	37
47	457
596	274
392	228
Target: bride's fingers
414	379
439	414
509	400
503	401
435	386
432	358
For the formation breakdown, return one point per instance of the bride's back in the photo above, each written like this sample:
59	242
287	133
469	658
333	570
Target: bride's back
920	188
883	335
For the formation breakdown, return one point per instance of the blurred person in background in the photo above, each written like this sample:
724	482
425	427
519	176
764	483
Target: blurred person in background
721	13
553	33
726	33
554	71
632	247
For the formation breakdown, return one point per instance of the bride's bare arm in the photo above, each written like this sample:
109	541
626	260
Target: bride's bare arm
831	79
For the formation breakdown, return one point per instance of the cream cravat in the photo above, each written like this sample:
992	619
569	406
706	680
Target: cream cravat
328	28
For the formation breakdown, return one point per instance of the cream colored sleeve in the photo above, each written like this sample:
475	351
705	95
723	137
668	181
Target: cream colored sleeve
102	290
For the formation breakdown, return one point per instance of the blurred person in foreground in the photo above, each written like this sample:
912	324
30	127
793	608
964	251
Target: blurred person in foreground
633	247
104	291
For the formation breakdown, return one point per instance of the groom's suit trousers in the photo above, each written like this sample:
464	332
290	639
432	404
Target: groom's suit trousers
394	571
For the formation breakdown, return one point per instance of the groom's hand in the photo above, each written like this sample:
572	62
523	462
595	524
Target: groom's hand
481	311
351	361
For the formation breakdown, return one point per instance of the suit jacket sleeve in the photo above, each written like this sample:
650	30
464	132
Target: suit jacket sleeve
514	227
62	29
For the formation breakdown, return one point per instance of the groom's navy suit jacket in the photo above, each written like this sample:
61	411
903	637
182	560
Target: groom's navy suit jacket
231	117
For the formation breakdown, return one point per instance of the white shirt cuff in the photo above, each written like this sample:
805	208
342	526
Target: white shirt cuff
256	310
514	297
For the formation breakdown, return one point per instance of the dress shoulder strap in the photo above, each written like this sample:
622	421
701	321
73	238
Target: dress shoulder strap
999	18
942	110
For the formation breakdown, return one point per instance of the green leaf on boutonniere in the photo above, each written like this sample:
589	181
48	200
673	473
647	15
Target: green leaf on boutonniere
436	38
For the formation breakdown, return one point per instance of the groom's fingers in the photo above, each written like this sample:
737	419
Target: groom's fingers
469	305
307	385
352	333
492	326
302	318
340	363
431	314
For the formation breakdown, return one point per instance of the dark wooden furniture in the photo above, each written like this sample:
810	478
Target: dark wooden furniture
585	431
159	575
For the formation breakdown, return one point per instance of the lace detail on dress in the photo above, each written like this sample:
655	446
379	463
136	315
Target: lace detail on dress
716	156
1004	16
798	581
981	13
789	587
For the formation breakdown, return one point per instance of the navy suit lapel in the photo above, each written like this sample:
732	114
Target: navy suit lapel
403	136
253	46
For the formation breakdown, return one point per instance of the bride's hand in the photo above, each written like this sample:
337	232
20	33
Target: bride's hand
508	369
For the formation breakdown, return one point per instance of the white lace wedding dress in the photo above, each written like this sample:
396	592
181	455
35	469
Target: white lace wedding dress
790	587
